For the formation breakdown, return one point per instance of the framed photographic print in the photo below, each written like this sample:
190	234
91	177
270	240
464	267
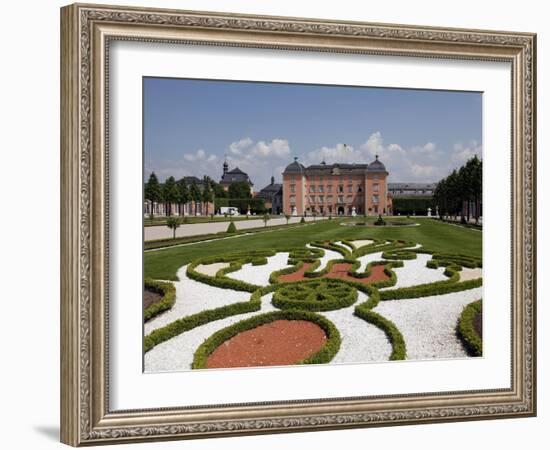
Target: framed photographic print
276	224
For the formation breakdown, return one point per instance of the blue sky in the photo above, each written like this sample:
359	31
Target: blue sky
190	126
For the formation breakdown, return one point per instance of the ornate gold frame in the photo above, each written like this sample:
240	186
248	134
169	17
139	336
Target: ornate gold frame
86	31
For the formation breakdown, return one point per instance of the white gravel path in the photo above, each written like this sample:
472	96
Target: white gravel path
365	259
361	341
414	271
211	269
428	324
177	353
193	297
329	254
470	274
259	275
362	242
346	246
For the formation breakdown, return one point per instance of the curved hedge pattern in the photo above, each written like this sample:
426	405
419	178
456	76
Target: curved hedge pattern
323	295
466	331
298	299
168	292
324	355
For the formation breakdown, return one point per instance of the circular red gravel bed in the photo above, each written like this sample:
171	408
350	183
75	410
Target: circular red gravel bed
278	343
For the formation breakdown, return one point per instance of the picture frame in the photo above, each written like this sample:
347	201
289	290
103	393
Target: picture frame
87	32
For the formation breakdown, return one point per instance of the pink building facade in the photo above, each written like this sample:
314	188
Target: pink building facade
336	189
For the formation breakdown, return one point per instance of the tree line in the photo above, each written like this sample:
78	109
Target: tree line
461	187
179	192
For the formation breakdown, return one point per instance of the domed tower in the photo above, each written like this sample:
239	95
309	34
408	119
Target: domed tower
225	167
294	188
377	200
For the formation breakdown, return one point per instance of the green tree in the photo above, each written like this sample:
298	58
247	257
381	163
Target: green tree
170	194
219	192
173	223
153	191
184	196
239	189
207	194
195	194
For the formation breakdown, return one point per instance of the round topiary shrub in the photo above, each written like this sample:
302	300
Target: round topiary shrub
231	227
380	221
303	220
319	295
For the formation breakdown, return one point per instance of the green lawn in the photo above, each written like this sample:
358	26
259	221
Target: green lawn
202	219
432	234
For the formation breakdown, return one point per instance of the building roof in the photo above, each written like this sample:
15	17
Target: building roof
295	167
376	166
190	180
235	175
412	185
335	169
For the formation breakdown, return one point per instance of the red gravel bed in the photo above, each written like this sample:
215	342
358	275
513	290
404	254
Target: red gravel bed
339	271
279	343
150	297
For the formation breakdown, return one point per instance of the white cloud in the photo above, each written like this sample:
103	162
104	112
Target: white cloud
464	152
262	159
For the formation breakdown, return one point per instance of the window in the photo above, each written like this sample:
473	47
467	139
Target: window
312	199
375	198
340	188
360	188
292	199
329	188
321	199
350	188
292	188
376	208
376	187
312	188
340	199
321	188
329	198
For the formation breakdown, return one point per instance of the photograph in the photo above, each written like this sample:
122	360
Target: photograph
290	224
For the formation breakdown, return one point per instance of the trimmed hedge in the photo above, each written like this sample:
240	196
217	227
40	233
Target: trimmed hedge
168	292
324	355
322	295
428	289
466	331
184	324
399	348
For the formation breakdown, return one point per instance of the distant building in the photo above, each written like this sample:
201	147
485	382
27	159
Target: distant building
233	176
272	195
336	189
411	189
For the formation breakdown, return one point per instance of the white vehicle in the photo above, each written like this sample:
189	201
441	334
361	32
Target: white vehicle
229	210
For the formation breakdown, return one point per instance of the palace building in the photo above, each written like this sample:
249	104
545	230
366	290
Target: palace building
233	176
336	189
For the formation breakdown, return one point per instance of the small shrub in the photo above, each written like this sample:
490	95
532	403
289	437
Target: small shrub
380	222
325	295
231	228
303	220
168	292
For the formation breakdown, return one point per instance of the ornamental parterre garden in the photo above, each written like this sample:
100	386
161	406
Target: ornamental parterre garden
315	294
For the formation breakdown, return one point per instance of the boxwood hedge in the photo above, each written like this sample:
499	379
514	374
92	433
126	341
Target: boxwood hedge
465	329
318	295
168	292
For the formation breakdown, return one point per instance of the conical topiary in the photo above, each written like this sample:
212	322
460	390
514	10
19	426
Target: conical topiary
231	227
